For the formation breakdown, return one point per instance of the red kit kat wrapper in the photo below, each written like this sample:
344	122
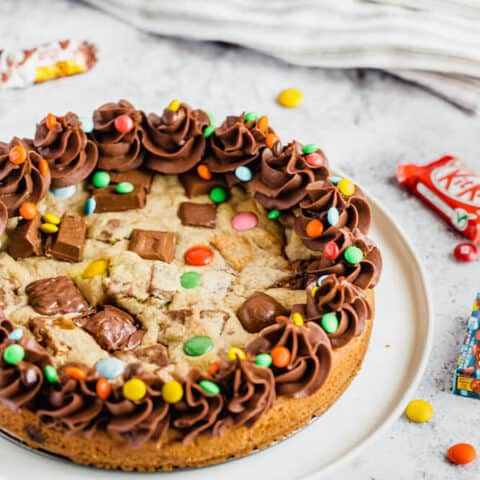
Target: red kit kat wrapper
451	188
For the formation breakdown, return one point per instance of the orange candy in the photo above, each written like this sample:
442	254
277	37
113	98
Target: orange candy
281	318
28	210
314	228
76	373
50	121
461	454
204	172
270	140
280	356
17	155
103	388
262	123
213	367
43	167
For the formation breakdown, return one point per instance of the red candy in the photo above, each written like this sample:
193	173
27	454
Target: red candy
123	124
314	160
198	256
450	188
331	251
466	252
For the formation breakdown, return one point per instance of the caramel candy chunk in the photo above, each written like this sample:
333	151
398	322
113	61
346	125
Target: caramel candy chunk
153	244
194	185
51	296
259	311
112	328
140	178
156	354
108	200
198	214
70	240
26	240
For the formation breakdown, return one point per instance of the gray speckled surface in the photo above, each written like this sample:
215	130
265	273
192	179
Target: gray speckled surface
366	124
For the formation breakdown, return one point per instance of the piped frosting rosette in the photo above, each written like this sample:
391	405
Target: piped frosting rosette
70	154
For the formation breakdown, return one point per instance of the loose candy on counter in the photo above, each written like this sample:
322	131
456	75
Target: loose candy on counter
198	256
419	411
461	454
197	346
243	221
466	252
450	188
290	98
64	192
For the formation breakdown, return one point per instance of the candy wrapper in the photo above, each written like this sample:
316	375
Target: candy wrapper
19	69
451	188
466	381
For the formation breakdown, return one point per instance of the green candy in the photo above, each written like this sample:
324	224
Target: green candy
309	148
329	322
208	131
211	119
250	116
51	374
190	279
124	187
209	387
273	214
101	179
353	255
263	360
197	346
218	195
14	354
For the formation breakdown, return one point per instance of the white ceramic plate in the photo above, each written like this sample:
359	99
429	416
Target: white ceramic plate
395	361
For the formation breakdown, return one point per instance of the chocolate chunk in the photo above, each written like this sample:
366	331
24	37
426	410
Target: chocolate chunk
153	244
198	214
133	370
70	240
194	185
141	178
112	328
25	241
259	311
50	296
34	433
108	200
156	354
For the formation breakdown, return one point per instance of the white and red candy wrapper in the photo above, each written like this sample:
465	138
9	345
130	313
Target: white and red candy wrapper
451	188
22	68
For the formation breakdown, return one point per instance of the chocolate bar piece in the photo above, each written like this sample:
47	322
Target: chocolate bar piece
198	214
70	239
141	178
26	240
153	244
108	200
194	185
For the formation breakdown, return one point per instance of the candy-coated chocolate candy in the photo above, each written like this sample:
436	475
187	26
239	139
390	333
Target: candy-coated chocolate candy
51	121
134	389
346	186
197	346
280	356
172	391
210	387
75	372
466	252
461	454
314	160
270	140
213	367
281	318
43	167
353	255
290	98
329	322
204	172
50	373
273	214
314	290
263	360
101	179
235	352
174	105
28	210
90	206
124	188
244	174
198	256
17	155
110	368
262	123
97	267
64	192
334	180
218	195
333	216
320	279
190	279
123	124
419	411
297	319
244	221
87	124
103	388
13	354
250	117
16	334
208	131
48	228
309	148
51	218
331	250
314	228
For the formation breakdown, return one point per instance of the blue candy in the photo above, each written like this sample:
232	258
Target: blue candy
16	334
87	124
321	279
334	180
110	368
244	174
90	206
64	193
333	216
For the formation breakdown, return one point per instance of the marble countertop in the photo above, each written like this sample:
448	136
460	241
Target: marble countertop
367	123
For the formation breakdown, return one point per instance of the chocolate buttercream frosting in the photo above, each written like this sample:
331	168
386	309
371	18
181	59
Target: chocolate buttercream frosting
118	151
70	154
3	217
24	182
173	141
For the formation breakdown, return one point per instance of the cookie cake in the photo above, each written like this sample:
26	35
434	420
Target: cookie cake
174	294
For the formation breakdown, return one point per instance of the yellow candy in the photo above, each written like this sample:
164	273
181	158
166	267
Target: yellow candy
174	105
290	98
97	267
314	290
235	352
48	228
134	389
51	218
297	319
419	411
172	392
346	186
